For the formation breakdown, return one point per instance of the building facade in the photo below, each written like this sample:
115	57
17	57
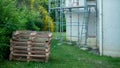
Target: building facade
103	33
109	27
76	18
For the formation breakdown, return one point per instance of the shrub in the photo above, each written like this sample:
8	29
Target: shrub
10	20
4	51
37	15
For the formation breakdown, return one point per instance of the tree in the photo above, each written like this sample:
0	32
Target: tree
39	15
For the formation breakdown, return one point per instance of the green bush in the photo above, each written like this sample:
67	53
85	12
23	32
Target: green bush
11	19
36	14
4	51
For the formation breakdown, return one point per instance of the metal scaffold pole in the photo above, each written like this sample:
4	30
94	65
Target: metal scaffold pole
84	27
62	18
78	43
86	22
70	42
61	21
56	19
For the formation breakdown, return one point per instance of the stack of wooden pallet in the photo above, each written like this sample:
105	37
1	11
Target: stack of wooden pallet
30	46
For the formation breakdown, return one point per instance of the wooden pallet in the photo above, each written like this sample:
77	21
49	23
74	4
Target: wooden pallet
30	46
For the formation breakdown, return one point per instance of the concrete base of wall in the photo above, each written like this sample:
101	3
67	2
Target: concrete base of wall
91	42
112	53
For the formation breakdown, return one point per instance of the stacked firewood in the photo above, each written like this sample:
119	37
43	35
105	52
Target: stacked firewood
30	46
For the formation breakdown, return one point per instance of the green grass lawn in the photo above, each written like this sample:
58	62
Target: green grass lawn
67	56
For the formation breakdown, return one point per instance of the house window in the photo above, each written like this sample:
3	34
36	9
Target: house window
75	2
68	3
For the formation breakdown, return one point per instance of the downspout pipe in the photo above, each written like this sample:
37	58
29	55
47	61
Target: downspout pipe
100	14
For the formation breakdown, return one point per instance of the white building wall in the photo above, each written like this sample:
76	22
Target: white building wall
74	30
92	28
111	27
73	3
92	25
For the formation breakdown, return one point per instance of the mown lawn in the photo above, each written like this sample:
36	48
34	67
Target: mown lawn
67	56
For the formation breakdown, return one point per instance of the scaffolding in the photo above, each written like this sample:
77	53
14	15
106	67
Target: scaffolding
60	8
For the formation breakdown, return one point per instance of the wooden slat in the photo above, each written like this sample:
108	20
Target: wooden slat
40	44
46	44
21	51
20	54
40	56
26	35
20	47
19	43
25	47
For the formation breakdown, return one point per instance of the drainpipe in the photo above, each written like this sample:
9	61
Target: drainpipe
100	26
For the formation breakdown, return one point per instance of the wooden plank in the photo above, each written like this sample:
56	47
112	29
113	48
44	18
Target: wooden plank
20	47
40	44
40	40
46	50
25	47
38	56
37	35
20	55
36	60
33	33
39	48
30	51
42	48
19	43
31	48
20	59
20	40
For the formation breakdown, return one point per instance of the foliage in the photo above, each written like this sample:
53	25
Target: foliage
10	20
4	51
44	3
44	18
37	15
32	17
